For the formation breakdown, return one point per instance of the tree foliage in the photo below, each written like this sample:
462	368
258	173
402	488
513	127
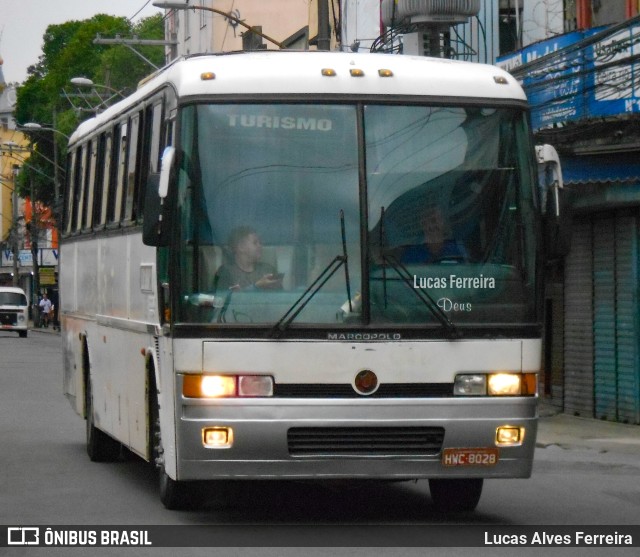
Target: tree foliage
69	51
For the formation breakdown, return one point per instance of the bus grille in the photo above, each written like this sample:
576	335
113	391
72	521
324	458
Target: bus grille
365	441
386	390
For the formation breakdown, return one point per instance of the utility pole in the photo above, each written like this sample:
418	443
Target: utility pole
324	32
15	240
34	257
57	210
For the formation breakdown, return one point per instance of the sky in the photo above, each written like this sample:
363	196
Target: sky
23	23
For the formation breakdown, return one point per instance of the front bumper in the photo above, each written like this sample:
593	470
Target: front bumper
261	448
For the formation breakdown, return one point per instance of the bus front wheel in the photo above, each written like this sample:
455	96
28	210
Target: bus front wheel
456	495
175	495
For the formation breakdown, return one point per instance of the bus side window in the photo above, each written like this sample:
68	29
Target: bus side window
123	155
149	140
113	213
156	137
78	188
130	182
106	177
89	184
98	187
69	192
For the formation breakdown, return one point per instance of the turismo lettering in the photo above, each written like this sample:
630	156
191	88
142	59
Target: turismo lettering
280	122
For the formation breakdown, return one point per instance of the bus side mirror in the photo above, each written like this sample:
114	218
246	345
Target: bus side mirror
554	203
156	223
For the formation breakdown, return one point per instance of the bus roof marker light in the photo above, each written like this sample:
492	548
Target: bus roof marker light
328	72
500	80
207	76
382	72
356	72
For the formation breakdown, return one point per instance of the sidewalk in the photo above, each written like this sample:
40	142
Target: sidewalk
571	432
49	330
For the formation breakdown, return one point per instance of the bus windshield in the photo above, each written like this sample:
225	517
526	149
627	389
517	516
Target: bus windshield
344	215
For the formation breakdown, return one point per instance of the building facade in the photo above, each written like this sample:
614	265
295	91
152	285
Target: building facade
225	26
585	94
11	206
18	215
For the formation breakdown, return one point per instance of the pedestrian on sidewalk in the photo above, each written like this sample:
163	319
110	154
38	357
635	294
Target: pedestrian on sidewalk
45	309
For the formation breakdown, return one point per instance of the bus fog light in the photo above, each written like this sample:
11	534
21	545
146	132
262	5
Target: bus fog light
217	437
509	436
255	385
470	385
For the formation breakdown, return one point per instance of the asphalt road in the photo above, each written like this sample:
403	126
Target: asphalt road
47	479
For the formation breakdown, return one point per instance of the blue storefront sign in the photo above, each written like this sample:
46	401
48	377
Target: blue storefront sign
555	89
587	74
613	75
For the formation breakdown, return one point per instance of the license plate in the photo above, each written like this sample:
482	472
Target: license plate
482	456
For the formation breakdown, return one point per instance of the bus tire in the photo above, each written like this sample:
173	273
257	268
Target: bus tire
456	494
175	495
100	447
23	334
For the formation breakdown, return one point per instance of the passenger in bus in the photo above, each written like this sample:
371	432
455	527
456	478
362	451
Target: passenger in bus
434	243
245	271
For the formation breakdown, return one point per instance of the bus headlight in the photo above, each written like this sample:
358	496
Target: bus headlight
470	385
503	384
226	386
495	384
255	385
218	386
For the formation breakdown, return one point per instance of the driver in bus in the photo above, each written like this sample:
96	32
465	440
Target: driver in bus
246	271
434	242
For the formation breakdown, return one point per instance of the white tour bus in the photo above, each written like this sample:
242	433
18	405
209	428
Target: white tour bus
309	265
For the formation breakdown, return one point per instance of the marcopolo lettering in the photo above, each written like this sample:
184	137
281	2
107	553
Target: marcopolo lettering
280	122
364	336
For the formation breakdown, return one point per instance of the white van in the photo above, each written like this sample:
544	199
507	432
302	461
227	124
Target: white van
13	310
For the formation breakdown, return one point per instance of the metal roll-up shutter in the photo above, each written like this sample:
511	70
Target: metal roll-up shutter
578	324
604	316
627	327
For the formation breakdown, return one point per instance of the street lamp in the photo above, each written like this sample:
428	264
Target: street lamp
85	82
33	126
186	6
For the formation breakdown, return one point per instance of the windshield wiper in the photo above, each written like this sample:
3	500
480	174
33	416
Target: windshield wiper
406	277
330	270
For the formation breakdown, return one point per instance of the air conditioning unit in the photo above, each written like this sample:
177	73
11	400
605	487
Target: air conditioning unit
446	12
